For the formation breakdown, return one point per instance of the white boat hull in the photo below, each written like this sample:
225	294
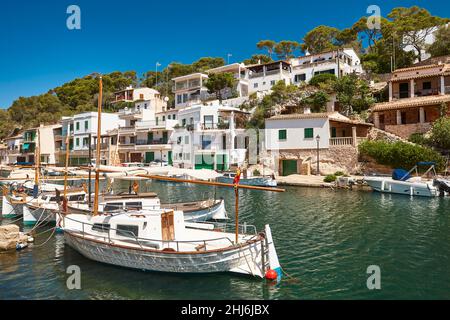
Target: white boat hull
388	185
33	215
262	181
245	260
11	210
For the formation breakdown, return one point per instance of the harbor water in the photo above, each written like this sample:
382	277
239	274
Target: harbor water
326	239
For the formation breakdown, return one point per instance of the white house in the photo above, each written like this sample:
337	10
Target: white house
14	145
292	141
206	137
79	128
131	94
263	76
306	67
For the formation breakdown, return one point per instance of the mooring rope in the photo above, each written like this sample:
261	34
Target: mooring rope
48	239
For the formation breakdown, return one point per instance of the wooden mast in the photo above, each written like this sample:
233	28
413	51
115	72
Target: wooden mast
37	158
97	160
67	165
220	184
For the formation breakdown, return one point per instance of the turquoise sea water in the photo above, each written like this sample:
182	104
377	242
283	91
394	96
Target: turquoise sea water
324	238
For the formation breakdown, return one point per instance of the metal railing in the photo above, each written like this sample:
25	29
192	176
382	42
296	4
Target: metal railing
146	242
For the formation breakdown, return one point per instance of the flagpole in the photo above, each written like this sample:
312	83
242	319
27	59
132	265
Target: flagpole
67	167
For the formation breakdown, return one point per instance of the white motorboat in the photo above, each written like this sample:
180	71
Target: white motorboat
401	182
263	181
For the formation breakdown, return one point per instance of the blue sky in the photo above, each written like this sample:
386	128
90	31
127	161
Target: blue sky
38	52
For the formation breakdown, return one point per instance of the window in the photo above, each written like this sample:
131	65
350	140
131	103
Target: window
101	227
179	140
141	96
133	205
86	125
427	85
174	116
132	140
282	134
300	77
77	142
78	125
71	127
85	142
187	156
206	142
76	197
309	133
126	230
255	85
330	71
186	139
145	106
179	98
163	118
185	97
272	82
183	122
168	117
112	207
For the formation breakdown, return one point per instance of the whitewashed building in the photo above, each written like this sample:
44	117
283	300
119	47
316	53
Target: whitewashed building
82	126
306	67
207	137
13	152
292	141
263	76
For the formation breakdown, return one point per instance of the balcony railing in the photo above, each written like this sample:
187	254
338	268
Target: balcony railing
343	141
143	142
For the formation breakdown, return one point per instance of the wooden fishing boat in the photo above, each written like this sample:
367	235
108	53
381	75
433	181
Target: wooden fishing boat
160	240
194	211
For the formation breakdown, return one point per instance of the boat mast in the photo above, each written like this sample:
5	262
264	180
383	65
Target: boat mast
97	160
37	158
67	165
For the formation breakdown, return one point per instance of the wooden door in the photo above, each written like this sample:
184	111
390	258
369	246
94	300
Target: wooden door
167	227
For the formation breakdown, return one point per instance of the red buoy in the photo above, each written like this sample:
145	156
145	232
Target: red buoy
271	274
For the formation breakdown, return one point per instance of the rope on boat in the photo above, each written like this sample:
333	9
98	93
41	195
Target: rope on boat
290	278
48	239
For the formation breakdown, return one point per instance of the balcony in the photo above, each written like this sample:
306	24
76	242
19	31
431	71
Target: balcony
144	142
215	126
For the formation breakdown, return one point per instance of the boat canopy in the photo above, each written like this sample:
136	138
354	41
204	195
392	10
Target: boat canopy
400	175
426	163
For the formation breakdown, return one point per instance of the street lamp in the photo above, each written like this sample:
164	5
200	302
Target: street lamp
318	141
228	57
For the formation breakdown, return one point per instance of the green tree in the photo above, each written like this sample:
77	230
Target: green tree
285	49
320	39
441	45
413	25
218	82
353	94
268	45
440	133
257	58
7	126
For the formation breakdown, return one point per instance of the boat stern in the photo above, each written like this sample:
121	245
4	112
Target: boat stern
273	261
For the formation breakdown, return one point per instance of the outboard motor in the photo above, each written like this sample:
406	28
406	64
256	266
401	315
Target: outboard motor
442	185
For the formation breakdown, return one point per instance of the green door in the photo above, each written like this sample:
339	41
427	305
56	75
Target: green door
169	154
164	138
204	162
221	162
149	138
333	132
289	167
149	156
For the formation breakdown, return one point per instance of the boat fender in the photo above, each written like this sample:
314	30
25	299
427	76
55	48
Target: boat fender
262	235
271	275
30	239
21	245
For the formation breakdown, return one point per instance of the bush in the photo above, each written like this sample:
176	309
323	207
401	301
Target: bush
339	173
256	172
320	78
330	178
440	133
418	138
399	154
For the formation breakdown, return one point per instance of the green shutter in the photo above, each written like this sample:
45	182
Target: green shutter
282	134
309	133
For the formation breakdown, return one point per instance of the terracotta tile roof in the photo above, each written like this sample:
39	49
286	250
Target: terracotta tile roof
411	103
444	69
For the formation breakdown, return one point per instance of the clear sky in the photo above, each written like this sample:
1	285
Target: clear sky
38	52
